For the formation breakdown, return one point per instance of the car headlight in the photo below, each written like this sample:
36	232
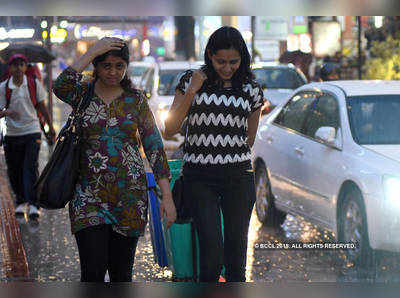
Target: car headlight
391	188
163	115
162	106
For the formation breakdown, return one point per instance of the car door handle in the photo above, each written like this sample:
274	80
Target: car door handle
270	140
299	151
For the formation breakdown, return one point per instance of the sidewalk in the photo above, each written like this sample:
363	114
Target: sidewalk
14	265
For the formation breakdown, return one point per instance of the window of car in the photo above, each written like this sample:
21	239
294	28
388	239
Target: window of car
148	88
278	78
143	79
166	80
175	82
324	112
374	119
136	70
295	111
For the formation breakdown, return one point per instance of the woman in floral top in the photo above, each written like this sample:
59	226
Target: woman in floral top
109	209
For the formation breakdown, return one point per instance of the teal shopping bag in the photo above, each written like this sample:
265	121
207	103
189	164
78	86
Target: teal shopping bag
183	258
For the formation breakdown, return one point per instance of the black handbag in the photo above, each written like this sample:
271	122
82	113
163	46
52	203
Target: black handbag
182	203
56	184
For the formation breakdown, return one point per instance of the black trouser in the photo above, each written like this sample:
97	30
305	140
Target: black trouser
101	249
233	191
22	154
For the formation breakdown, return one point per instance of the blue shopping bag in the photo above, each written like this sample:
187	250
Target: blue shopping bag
156	232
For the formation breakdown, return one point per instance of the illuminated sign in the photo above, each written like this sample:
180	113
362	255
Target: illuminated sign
16	33
58	35
271	27
326	38
145	47
3	45
83	31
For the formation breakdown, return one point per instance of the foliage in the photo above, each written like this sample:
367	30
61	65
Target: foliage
384	63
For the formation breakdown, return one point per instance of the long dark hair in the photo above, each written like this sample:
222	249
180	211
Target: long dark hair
226	38
126	83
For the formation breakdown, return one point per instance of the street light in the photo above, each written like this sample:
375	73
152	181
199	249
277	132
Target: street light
43	24
378	21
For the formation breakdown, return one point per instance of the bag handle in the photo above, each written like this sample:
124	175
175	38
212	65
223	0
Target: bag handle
74	121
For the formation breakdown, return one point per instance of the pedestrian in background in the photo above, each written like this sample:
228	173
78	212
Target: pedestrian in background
109	209
23	136
223	103
330	71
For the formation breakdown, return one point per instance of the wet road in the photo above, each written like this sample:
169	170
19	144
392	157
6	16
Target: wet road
310	265
52	254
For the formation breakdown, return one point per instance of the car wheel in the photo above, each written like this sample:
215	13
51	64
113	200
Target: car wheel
265	208
353	228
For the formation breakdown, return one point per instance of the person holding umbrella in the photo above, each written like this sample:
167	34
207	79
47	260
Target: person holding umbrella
19	104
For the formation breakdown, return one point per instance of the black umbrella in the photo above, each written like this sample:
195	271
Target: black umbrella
34	53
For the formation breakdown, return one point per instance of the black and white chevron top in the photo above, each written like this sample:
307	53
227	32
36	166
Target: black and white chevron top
217	127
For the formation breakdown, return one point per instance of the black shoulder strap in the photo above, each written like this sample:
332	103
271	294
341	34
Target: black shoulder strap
8	93
87	97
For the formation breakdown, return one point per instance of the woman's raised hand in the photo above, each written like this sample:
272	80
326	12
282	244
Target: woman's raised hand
106	44
198	79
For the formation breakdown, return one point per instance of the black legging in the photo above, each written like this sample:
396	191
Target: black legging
233	192
101	249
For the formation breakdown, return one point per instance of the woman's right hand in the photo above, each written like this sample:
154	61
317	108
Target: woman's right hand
167	208
198	79
106	44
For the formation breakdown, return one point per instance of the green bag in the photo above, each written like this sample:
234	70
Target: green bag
183	258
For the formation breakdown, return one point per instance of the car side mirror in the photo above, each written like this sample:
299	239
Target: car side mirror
327	135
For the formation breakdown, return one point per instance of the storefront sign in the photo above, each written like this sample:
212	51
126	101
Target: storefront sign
271	28
84	31
326	38
16	33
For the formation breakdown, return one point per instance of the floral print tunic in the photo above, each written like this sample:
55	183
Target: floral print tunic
112	185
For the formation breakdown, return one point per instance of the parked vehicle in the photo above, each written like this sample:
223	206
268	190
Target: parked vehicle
331	154
136	69
278	80
158	83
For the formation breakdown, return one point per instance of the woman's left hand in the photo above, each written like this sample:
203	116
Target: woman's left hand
167	208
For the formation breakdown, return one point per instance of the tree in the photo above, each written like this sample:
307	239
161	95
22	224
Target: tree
385	64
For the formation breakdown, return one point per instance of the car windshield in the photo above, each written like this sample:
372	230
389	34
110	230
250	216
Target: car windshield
137	71
374	120
166	81
276	78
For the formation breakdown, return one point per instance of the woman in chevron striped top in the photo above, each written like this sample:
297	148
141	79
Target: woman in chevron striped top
222	103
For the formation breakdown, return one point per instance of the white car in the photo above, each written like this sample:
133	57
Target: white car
136	70
331	154
278	80
158	83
